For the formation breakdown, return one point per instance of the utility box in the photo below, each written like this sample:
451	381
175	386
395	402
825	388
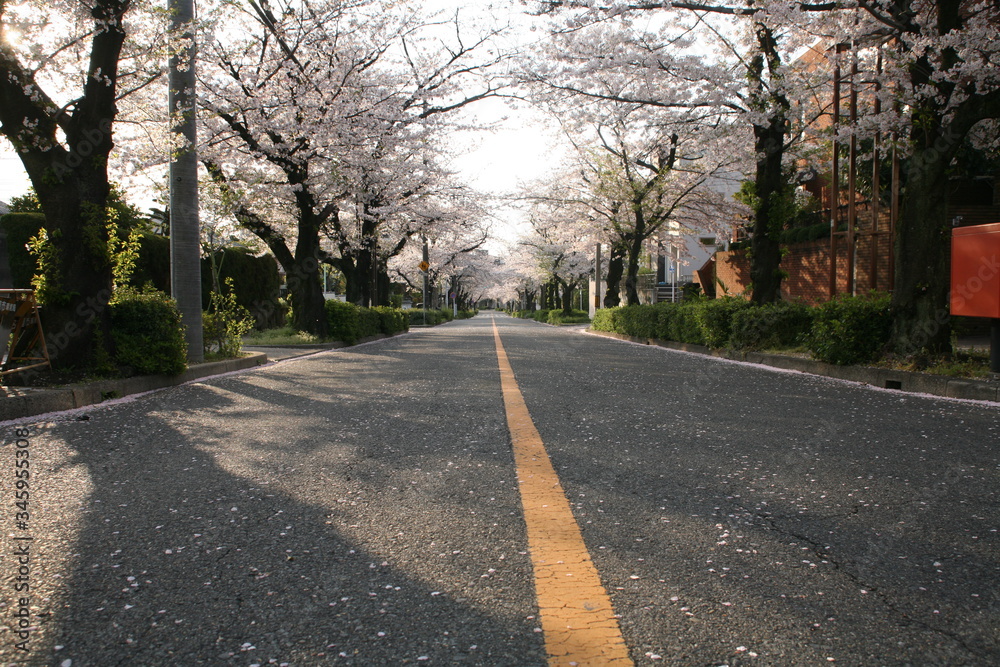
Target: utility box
975	271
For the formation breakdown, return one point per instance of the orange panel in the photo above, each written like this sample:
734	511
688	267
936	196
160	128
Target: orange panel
975	271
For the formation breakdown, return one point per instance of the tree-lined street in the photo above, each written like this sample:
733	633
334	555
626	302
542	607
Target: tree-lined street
361	506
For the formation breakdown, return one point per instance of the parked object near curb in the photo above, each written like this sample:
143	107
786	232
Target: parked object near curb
975	279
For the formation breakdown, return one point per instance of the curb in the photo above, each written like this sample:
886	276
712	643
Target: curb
882	378
335	345
27	402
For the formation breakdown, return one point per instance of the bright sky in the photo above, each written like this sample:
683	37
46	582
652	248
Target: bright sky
13	180
522	148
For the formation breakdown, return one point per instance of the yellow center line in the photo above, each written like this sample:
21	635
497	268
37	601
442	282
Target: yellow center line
576	615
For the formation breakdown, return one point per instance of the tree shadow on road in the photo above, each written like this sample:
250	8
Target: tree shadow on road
212	534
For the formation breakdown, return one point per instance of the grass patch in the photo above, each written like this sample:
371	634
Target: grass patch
557	317
971	365
283	336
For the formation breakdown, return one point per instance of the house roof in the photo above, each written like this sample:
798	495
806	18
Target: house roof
4	209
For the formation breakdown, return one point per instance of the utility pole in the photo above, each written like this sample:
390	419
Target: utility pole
596	297
425	266
185	242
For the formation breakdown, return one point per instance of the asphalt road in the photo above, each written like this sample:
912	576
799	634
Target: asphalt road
360	506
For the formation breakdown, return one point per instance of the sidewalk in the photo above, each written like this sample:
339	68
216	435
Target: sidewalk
21	402
24	402
883	378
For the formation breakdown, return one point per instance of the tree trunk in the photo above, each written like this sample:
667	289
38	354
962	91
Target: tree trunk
765	252
75	315
363	277
921	317
769	179
65	152
616	267
305	285
383	287
567	298
348	267
632	274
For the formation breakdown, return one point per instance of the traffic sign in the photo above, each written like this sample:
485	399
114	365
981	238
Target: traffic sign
424	266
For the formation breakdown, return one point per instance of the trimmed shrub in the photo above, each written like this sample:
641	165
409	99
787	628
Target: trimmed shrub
603	320
540	316
715	317
783	324
343	321
392	320
639	321
434	317
369	323
680	322
416	317
147	332
851	330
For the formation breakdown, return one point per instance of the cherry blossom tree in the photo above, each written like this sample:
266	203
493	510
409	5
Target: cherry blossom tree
455	254
323	116
64	68
939	90
635	179
561	245
681	62
518	278
942	89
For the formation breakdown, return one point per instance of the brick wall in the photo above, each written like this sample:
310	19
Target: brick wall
808	268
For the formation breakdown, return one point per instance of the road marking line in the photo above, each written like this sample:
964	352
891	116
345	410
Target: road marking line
576	615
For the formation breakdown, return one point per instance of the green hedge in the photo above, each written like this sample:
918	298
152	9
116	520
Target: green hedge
603	320
255	279
350	323
434	316
344	321
19	228
147	332
847	330
851	330
778	325
680	322
392	320
637	321
715	318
